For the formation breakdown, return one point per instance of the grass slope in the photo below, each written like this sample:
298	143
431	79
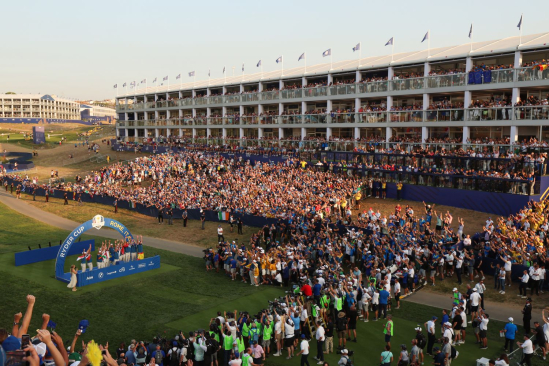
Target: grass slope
178	296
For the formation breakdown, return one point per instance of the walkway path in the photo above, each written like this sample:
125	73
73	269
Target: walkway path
66	224
496	310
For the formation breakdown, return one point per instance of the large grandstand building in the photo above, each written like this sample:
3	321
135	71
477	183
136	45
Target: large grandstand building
14	107
460	92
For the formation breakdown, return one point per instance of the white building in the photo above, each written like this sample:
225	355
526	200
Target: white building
383	96
38	106
88	110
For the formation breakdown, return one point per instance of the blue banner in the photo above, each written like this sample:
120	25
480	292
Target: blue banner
487	75
471	78
97	222
478	77
48	253
120	270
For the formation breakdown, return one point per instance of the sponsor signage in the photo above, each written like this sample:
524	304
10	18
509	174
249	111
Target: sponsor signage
123	269
97	222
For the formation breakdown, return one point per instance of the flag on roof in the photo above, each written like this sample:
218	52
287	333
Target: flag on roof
328	52
390	42
242	67
143	81
124	85
115	86
279	60
258	64
154	81
425	37
519	25
191	74
302	57
223	69
178	77
208	73
357	47
471	31
165	78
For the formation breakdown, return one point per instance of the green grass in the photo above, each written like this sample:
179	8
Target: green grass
178	296
55	132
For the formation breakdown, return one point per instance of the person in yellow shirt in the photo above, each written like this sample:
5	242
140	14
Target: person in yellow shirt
358	196
383	189
399	191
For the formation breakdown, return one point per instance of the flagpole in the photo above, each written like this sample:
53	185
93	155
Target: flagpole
393	50
472	32
359	54
194	80
429	44
282	66
305	62
521	21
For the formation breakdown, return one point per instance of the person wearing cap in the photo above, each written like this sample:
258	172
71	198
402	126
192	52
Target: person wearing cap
448	332
480	289
510	331
439	358
344	360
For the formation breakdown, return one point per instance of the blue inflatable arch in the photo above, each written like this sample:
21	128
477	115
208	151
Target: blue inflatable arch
97	222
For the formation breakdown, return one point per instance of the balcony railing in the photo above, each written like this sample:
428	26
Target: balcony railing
216	99
445	81
373	87
270	95
406	84
249	120
343	89
490	114
530	74
518	75
292	93
235	98
215	120
315	118
371	117
250	97
406	116
444	115
320	91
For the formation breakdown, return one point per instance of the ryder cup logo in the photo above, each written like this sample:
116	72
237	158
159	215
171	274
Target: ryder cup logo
101	275
98	221
121	270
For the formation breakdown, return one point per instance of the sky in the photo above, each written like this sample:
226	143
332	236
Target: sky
81	49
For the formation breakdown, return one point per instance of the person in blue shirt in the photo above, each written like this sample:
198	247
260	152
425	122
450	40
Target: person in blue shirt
316	291
383	300
510	330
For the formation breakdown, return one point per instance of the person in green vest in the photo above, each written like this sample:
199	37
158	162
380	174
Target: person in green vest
254	333
228	343
388	330
324	306
247	359
267	335
246	331
240	346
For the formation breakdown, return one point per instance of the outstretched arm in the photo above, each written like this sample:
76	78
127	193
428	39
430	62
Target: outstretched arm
28	315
